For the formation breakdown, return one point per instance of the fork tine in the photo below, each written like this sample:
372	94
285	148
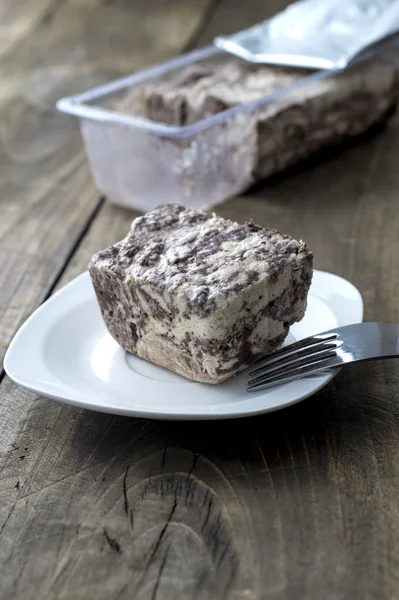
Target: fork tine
293	362
293	370
295	375
291	348
290	357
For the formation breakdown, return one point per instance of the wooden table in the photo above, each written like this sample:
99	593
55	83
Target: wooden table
300	504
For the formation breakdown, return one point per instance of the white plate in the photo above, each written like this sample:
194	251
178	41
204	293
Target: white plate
64	351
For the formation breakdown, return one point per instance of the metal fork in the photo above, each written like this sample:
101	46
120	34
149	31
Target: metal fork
324	351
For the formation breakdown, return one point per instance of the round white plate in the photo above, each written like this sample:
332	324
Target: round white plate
64	351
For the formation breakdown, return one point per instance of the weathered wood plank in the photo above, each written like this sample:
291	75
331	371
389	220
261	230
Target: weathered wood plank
46	191
13	28
300	504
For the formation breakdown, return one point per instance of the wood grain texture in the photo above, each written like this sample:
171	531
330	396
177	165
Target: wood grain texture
296	505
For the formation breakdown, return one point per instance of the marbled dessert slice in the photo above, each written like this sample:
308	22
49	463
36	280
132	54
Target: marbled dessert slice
202	296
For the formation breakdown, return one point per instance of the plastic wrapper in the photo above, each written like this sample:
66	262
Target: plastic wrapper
317	34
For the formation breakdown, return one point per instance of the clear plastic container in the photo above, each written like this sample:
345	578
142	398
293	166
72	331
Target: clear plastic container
141	163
